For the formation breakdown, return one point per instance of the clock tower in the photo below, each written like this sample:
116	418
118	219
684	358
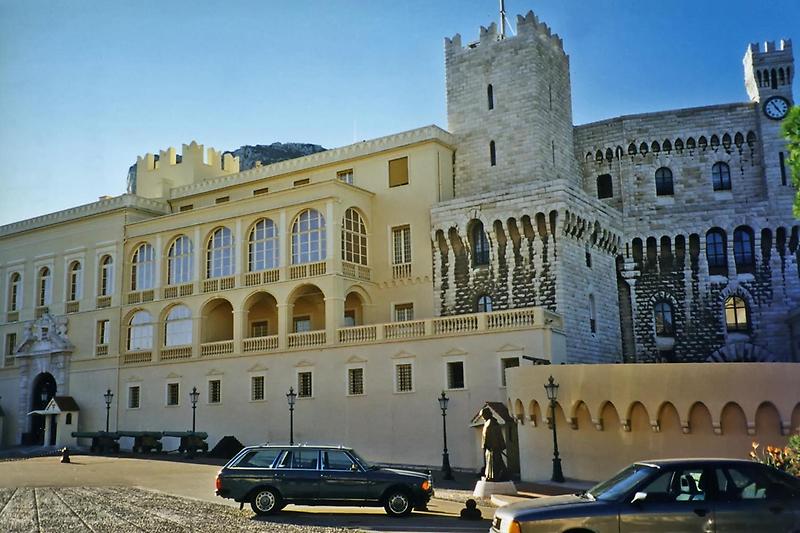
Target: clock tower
768	73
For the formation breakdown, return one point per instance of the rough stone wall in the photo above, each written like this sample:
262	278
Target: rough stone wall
531	122
689	142
538	238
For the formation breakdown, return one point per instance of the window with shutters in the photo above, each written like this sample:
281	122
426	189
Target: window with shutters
305	384
256	388
355	381
214	391
404	377
398	172
173	394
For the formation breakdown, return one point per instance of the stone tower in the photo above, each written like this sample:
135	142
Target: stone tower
509	104
768	73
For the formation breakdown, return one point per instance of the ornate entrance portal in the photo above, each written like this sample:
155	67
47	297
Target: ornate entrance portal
43	390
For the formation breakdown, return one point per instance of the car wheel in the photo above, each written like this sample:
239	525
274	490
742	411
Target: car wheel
266	501
398	503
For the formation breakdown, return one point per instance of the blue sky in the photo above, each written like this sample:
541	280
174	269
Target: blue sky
86	86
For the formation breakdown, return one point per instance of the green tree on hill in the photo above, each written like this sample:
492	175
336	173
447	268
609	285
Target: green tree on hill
790	129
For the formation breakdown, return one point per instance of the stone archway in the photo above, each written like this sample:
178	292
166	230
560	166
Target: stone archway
43	390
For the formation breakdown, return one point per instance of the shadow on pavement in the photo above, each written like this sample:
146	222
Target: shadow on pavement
424	522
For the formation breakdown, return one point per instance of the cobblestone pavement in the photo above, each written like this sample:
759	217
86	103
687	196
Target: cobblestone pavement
124	509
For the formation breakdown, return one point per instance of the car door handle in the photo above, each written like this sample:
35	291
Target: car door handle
700	512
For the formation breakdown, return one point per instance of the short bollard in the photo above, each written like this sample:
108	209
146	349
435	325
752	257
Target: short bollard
65	455
470	511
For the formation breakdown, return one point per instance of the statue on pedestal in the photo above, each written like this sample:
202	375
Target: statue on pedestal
494	446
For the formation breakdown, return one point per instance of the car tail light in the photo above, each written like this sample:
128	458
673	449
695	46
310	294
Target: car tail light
426	485
514	527
218	483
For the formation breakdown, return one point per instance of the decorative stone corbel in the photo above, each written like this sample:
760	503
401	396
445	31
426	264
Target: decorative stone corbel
685	427
717	428
573	423
598	424
786	427
655	426
751	428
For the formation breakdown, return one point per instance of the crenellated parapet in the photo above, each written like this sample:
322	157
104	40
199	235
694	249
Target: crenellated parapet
157	174
528	26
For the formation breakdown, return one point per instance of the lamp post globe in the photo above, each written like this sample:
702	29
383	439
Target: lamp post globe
551	387
447	472
291	397
108	396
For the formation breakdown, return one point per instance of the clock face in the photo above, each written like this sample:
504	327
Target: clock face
776	107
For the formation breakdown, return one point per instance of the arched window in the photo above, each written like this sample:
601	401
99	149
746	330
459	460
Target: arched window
480	244
106	276
44	292
737	316
262	250
14	292
605	189
143	268
716	252
663	313
664	182
492	154
219	255
178	326
354	238
74	282
308	237
140	331
721	176
743	249
179	261
484	304
490	96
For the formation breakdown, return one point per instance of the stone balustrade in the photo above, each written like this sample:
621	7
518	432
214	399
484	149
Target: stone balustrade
216	348
260	344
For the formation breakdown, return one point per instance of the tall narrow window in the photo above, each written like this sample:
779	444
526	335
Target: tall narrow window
403	377
743	249
592	315
173	393
143	268
721	176
308	238
178	326
305	384
492	154
256	388
14	292
505	364
262	251
140	331
455	375
716	254
782	164
664	182
737	315
179	264
219	255
354	238
214	391
44	291
490	96
103	332
11	343
480	244
663	317
134	396
355	381
484	304
398	172
106	276
75	282
401	244
605	189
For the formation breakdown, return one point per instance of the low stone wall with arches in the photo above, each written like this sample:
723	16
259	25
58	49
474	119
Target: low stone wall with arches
608	416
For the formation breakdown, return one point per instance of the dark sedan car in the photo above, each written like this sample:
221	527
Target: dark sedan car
675	495
271	476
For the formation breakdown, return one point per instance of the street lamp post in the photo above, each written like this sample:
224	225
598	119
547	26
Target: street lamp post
193	397
291	397
552	394
108	397
447	472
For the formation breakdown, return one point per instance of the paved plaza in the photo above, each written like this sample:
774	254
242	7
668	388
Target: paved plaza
118	494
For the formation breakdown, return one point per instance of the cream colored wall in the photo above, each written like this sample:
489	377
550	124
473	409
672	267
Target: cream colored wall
383	425
613	415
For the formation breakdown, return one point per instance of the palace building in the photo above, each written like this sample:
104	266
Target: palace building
371	277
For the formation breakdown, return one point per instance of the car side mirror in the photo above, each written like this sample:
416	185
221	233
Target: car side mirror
354	467
639	497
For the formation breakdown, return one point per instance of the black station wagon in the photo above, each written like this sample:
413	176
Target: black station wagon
272	476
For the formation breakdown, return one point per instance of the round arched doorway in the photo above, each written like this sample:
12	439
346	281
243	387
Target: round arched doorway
43	390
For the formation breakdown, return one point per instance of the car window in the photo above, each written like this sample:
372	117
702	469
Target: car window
336	460
305	459
622	483
685	484
748	483
285	461
258	459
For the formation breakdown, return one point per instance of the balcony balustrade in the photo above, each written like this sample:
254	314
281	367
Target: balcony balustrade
401	271
103	302
506	320
219	284
12	316
262	277
72	307
137	297
9	362
174	291
307	270
355	271
101	349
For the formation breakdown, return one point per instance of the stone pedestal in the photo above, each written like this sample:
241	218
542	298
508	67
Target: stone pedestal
484	489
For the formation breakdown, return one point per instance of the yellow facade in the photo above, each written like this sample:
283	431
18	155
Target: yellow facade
222	280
